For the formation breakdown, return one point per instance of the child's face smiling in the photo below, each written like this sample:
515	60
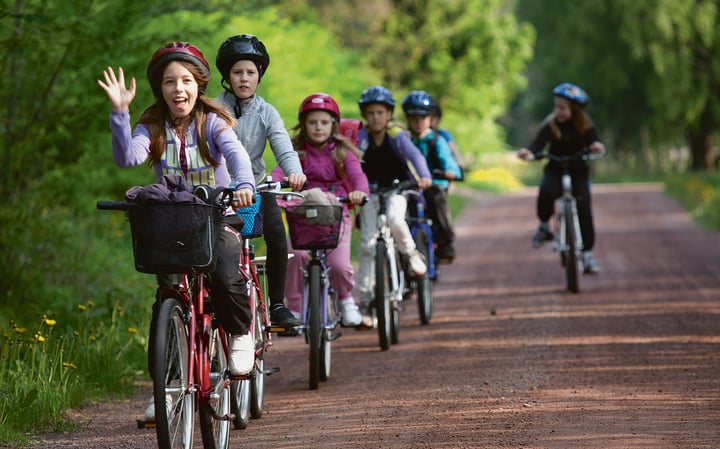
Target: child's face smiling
244	78
180	90
318	126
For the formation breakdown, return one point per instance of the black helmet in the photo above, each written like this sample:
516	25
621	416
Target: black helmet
376	94
418	102
240	47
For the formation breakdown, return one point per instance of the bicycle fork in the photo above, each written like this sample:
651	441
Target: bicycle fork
568	199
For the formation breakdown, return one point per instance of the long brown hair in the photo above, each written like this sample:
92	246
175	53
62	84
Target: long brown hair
580	120
343	144
157	116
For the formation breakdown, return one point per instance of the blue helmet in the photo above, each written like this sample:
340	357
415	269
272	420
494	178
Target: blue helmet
571	92
376	94
418	102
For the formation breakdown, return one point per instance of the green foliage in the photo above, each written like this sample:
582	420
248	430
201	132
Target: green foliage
699	194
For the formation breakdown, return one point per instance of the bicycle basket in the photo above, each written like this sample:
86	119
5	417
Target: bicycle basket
175	237
252	219
314	227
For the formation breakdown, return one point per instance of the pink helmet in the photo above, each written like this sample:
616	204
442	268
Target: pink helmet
321	102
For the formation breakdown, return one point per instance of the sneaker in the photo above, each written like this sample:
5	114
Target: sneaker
445	252
541	236
351	313
416	263
150	410
590	265
242	354
282	316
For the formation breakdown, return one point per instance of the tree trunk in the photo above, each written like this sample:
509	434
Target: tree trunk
700	139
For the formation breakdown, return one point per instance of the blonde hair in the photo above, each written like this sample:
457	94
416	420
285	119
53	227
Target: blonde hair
339	153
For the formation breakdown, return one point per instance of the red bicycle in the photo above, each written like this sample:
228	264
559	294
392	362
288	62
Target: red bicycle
189	349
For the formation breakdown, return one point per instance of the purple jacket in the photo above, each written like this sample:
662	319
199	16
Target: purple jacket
234	169
319	168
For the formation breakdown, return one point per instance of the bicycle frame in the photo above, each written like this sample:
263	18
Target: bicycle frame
419	221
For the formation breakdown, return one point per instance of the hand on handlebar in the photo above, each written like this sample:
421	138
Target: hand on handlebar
525	154
424	183
597	148
297	181
242	198
357	197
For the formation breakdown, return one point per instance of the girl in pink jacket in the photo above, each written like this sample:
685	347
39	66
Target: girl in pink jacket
330	161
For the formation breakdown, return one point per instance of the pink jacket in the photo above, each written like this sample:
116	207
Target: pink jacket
319	168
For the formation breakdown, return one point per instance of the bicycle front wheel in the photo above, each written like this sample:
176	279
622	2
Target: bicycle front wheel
424	283
382	291
240	403
571	259
174	402
314	325
214	414
257	385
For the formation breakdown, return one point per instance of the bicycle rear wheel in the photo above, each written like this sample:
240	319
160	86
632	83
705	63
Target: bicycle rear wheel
314	325
382	301
571	259
257	384
174	402
424	283
214	414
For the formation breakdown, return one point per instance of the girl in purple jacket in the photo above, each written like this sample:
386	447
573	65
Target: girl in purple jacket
330	161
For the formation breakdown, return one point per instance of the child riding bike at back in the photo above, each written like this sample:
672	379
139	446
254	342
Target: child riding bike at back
242	61
184	133
331	162
567	130
419	108
388	154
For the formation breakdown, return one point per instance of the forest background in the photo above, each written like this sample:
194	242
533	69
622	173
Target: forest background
71	303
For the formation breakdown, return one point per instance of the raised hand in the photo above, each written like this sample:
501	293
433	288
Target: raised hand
119	95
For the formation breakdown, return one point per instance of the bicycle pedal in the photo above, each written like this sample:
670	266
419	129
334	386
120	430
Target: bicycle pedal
240	377
271	371
142	424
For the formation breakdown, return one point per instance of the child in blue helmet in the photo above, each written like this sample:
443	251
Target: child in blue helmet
387	154
419	108
567	130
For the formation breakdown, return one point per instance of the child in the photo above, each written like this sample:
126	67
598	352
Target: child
242	61
185	133
388	154
568	129
419	107
330	161
444	133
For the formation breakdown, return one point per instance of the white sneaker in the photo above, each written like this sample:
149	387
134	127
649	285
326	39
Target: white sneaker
416	263
242	354
150	410
351	313
590	265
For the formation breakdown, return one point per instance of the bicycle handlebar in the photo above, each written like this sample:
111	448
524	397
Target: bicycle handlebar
583	155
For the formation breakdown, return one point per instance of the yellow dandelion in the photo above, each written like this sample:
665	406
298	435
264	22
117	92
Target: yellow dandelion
91	304
50	322
76	333
69	365
20	330
82	307
93	338
39	338
133	330
120	309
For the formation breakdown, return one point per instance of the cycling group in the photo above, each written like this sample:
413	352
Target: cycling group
188	138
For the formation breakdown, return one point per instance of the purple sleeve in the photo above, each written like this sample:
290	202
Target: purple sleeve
128	149
236	157
355	173
413	154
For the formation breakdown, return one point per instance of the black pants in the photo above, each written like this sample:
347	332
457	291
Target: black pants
277	248
437	210
551	189
228	288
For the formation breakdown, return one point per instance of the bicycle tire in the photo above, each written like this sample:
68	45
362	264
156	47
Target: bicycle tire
257	381
216	432
314	326
382	302
424	283
174	402
240	403
571	260
326	344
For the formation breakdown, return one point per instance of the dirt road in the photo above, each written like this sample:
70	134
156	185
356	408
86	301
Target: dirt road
510	359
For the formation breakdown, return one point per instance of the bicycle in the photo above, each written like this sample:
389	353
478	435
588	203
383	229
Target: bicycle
421	230
566	229
189	352
390	280
248	392
317	228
